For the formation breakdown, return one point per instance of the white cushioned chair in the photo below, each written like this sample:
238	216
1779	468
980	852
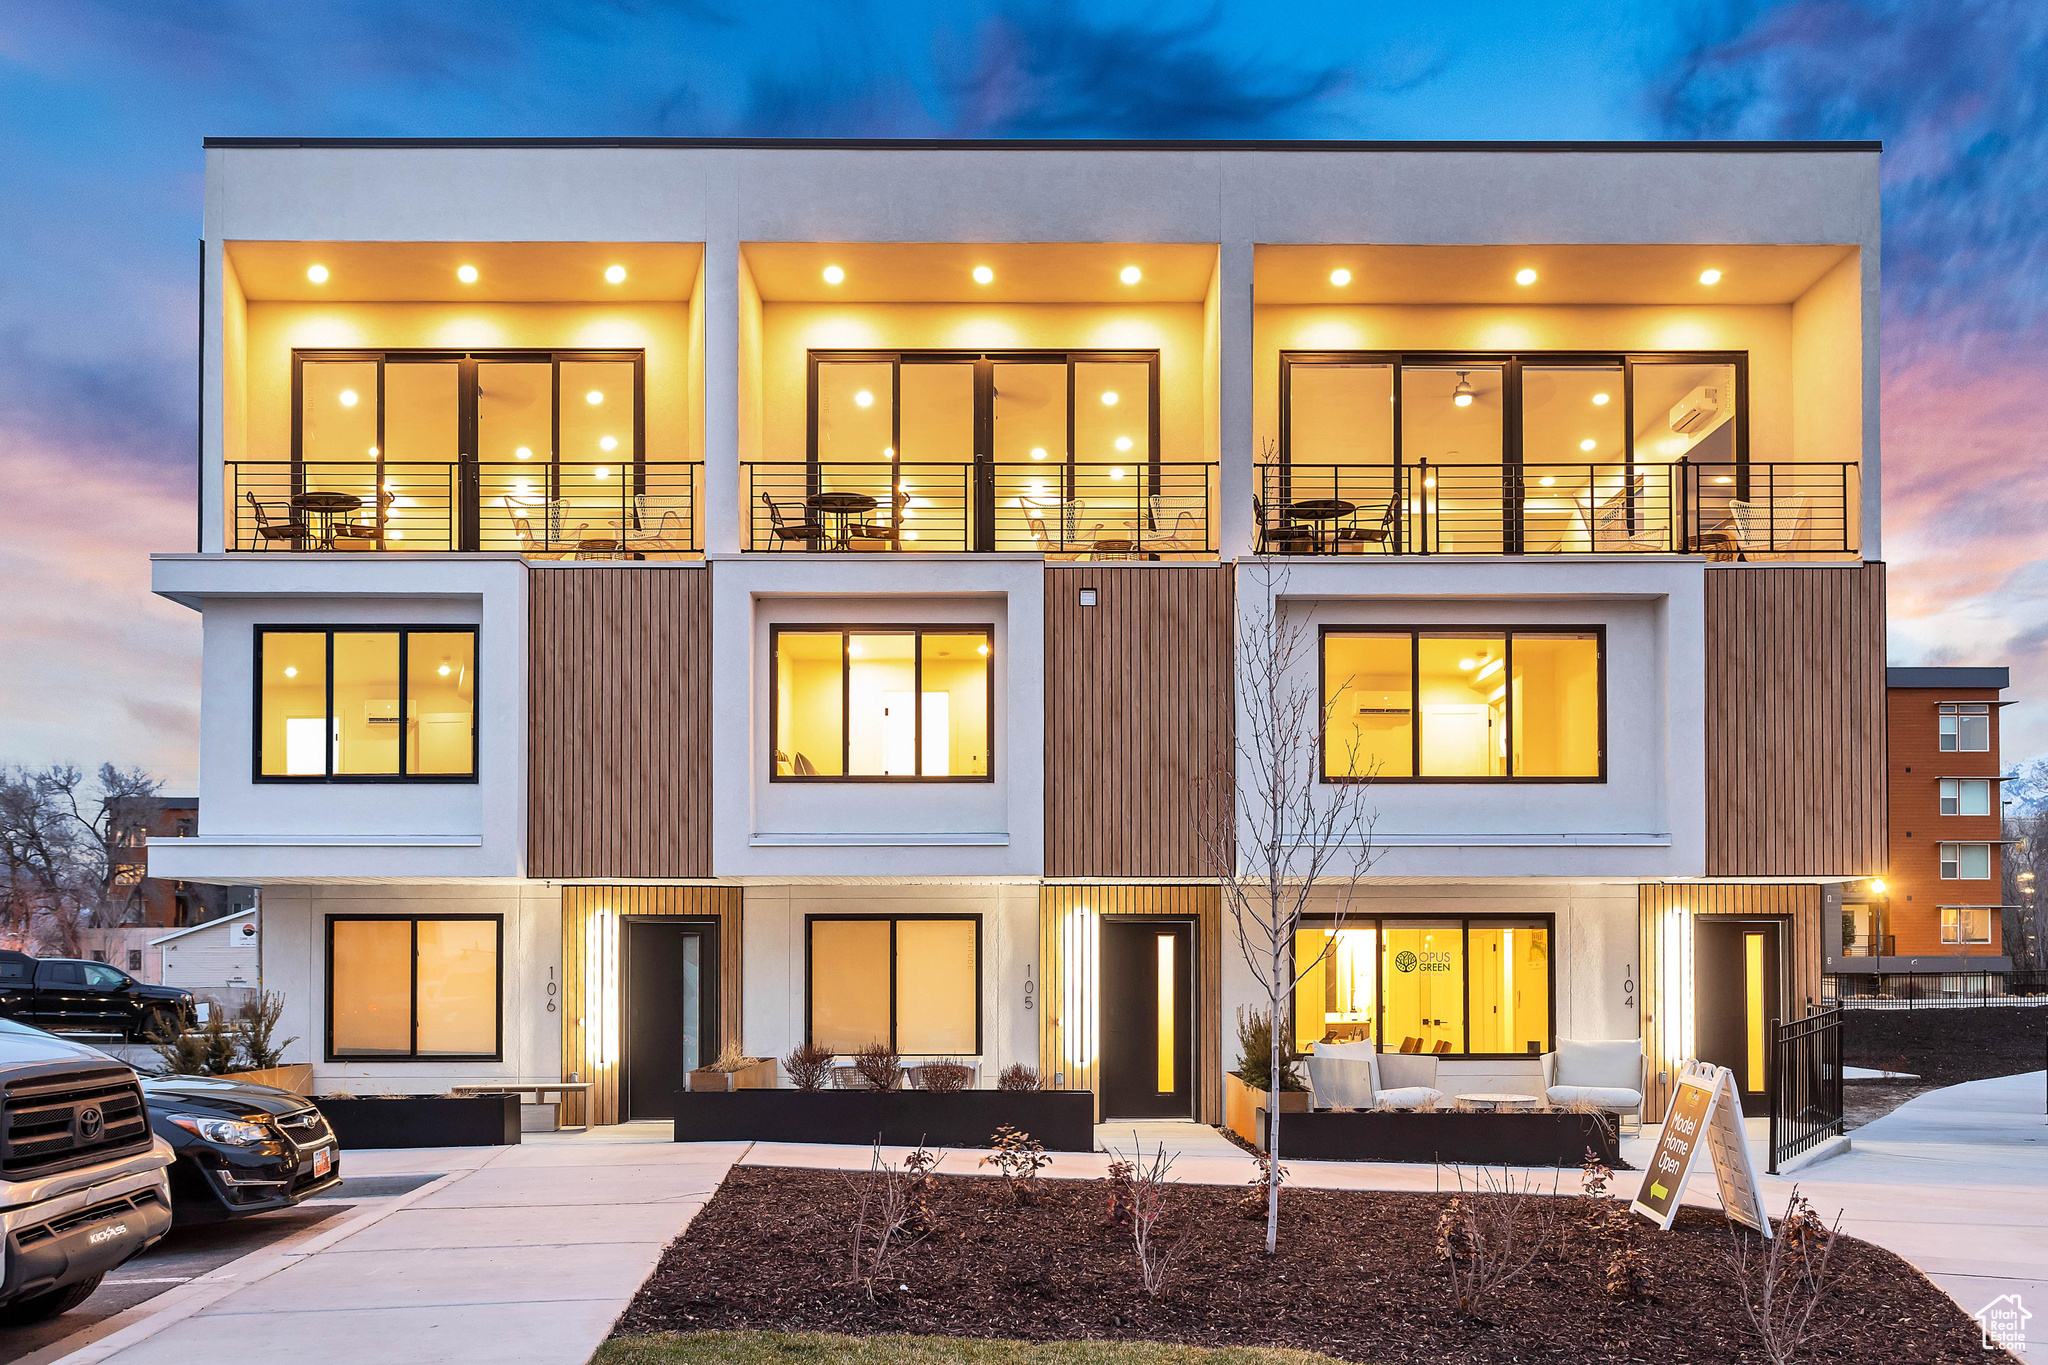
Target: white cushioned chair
1607	1074
1360	1076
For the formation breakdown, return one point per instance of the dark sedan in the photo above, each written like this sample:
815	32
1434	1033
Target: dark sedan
241	1148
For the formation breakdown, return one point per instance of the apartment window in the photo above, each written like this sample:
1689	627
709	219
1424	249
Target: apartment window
1477	986
370	703
403	989
882	703
1965	924
1965	862
1965	727
913	982
1965	796
1462	704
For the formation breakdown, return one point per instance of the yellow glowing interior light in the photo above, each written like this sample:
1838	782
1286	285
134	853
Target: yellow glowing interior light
1588	443
1463	400
445	670
1166	1015
982	650
602	472
854	650
1468	664
291	671
1877	883
1722	478
1525	276
523	453
394	535
1116	473
1489	668
1599	400
1710	277
1109	398
1753	1004
348	398
1038	452
1131	274
863	399
1123	443
1429	483
607	443
317	274
833	274
615	274
888	452
982	274
467	274
1340	277
910	535
594	397
373	452
1547	480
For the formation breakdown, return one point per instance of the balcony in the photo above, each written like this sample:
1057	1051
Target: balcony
1154	511
644	510
1733	511
1870	945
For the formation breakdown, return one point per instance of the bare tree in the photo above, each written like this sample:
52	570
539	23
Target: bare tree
1275	833
2023	867
58	836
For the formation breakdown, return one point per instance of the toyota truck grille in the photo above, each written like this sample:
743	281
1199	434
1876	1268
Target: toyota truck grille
56	1121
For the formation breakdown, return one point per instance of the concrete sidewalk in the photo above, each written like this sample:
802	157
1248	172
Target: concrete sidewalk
519	1254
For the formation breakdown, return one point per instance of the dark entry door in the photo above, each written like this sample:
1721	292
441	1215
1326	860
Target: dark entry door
670	1009
1737	991
1147	1014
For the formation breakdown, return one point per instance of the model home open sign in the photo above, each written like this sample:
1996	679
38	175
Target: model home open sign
1705	1114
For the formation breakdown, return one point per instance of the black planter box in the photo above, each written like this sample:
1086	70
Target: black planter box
1064	1120
1511	1139
424	1121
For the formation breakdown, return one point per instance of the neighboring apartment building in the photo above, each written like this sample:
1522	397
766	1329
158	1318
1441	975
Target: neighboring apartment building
1939	908
666	594
158	902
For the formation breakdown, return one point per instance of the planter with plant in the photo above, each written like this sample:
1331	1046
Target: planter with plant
244	1048
1247	1091
734	1070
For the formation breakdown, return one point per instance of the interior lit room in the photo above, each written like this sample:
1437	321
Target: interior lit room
1559	400
542	398
1051	398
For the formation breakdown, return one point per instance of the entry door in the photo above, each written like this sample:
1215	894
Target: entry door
670	1008
1737	991
1147	1014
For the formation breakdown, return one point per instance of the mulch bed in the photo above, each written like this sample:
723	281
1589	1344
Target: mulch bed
1357	1276
1942	1047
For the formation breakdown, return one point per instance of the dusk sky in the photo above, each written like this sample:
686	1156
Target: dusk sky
103	107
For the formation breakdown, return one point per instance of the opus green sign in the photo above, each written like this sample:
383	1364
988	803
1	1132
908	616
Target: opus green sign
1404	961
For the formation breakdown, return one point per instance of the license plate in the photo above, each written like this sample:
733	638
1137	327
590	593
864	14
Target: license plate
323	1162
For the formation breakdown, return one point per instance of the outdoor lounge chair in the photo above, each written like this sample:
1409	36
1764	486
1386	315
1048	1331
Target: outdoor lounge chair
1360	1076
1607	1074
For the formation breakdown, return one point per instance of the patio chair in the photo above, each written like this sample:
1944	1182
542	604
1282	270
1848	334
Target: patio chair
1360	1076
350	535
274	527
849	1078
1606	1074
1354	538
1284	537
878	528
1768	527
1607	524
915	1074
643	533
785	528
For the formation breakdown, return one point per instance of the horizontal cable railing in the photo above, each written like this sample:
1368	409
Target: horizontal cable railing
1134	510
543	510
1746	512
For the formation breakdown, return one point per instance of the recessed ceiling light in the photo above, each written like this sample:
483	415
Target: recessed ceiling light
523	453
348	398
615	274
1599	400
317	274
1109	398
445	670
833	274
1547	480
290	671
602	471
1340	278
1468	663
1117	473
1525	276
594	397
607	443
467	274
1710	277
863	399
982	274
1131	274
1038	452
1722	478
1588	443
1123	443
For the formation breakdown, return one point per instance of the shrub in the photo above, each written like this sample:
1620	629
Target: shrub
1116	1185
1148	1182
260	1018
1017	1076
1252	1204
879	1066
809	1067
211	1049
732	1058
895	1212
944	1076
1491	1234
1018	1158
1255	1052
1784	1281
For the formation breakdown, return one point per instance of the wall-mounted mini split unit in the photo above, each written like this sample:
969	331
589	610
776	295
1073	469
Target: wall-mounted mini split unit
1697	410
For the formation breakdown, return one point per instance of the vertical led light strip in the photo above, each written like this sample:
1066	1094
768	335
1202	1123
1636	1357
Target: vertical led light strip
601	989
1677	1001
1753	1005
1080	940
1167	1013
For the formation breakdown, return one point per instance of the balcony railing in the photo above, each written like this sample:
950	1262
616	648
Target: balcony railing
544	511
1870	945
1725	511
1135	511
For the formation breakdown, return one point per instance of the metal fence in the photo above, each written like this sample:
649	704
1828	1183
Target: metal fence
1805	1084
1934	990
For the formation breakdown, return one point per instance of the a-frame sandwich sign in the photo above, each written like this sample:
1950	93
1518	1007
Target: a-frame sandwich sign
1706	1112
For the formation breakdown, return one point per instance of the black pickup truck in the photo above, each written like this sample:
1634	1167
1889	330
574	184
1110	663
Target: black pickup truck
67	995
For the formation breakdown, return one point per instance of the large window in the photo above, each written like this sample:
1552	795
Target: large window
1463	704
1965	924
1464	986
366	703
913	982
1965	796
1965	727
401	989
882	703
1965	862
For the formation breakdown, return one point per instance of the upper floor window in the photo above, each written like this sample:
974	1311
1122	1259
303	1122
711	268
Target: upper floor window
1965	924
875	703
1464	704
1965	727
1965	862
1965	796
366	703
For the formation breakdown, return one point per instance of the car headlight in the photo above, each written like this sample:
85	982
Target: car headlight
227	1132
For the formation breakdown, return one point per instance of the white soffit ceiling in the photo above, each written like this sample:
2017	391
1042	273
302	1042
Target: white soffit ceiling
507	272
1570	274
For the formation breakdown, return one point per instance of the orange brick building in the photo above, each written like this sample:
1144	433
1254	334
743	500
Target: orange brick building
1938	908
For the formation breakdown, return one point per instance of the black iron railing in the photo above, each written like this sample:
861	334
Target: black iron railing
1805	1084
1732	511
1870	945
1134	511
1934	990
633	510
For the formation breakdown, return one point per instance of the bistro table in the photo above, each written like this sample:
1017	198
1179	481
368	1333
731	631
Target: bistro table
322	508
842	508
1320	510
540	1090
1499	1102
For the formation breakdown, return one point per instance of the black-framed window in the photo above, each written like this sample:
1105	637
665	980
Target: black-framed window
449	449
885	703
1464	703
1463	986
415	988
912	981
365	704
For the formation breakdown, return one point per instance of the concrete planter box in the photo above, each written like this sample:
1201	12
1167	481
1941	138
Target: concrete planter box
762	1075
297	1078
1478	1139
1243	1105
424	1121
1064	1120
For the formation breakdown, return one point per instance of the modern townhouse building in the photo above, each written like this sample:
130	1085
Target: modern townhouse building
669	594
